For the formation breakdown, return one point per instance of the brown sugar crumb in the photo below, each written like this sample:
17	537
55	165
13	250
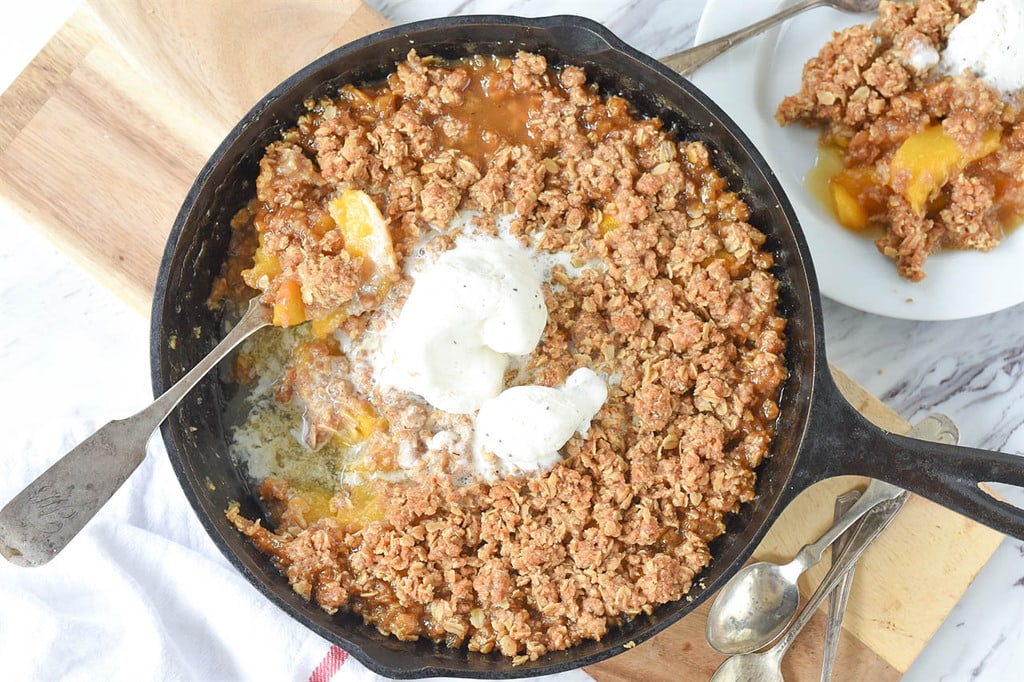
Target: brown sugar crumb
869	102
670	296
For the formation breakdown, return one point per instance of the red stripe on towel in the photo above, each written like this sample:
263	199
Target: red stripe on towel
332	662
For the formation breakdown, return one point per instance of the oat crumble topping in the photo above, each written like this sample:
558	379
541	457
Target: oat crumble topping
665	289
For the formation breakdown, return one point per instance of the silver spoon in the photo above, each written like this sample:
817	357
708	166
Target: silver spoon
766	666
690	60
757	603
43	518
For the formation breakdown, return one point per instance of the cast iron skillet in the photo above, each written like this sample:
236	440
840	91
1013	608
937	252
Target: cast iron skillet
819	433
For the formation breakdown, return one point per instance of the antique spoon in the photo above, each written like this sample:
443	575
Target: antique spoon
757	603
840	594
690	60
43	518
766	666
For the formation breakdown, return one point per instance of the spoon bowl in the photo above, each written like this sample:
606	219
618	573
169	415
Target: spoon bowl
764	667
754	607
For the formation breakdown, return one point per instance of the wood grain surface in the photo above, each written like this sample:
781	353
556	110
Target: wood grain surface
103	133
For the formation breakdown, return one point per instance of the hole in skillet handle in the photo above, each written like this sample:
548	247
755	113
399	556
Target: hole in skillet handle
1004	492
842	441
197	438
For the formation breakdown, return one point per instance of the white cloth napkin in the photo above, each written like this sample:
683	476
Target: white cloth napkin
143	594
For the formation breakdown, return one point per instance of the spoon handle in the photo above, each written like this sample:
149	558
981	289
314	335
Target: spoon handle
43	518
873	524
690	60
837	601
875	494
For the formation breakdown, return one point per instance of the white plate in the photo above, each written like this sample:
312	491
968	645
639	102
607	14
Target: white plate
748	82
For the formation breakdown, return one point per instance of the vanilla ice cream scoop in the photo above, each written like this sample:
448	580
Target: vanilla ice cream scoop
479	303
526	426
989	43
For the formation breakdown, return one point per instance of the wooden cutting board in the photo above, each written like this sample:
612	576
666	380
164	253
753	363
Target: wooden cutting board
102	134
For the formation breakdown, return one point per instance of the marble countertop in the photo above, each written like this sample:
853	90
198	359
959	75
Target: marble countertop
970	369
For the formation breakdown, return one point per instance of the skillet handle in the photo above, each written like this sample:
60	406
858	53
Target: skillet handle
845	442
951	476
